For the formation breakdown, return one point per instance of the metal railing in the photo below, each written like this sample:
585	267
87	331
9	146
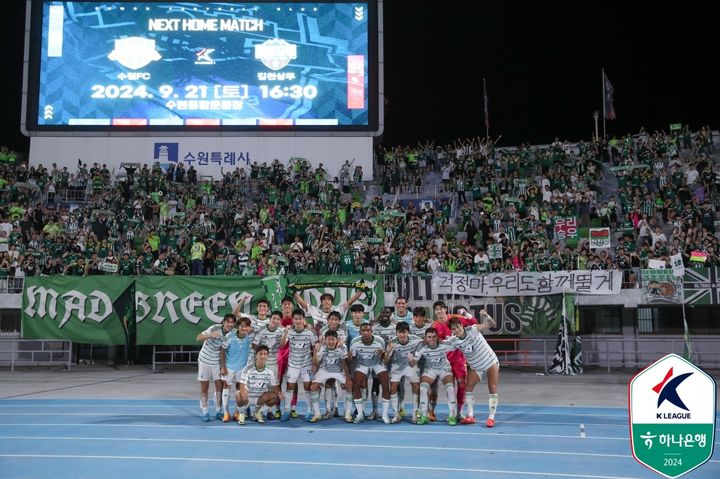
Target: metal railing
12	285
35	352
174	357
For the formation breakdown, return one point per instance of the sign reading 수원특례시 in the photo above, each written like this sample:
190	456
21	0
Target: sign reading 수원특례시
672	416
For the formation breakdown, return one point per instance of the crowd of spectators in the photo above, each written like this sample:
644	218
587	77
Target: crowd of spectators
496	212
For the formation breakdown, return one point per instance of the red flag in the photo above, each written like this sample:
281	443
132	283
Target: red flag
608	106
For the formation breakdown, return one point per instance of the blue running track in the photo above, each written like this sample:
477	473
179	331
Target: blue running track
144	439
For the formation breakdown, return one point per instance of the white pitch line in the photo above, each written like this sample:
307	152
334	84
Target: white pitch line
389	430
309	463
329	444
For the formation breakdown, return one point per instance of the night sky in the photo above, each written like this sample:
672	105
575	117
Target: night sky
542	65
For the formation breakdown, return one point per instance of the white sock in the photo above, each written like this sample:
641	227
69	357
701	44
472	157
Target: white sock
452	400
360	406
424	387
339	392
394	403
315	402
470	403
204	403
309	399
225	400
385	407
348	402
264	410
218	401
492	405
288	399
415	404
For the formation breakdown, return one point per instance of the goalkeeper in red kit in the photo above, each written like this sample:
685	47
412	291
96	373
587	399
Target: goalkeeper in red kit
456	358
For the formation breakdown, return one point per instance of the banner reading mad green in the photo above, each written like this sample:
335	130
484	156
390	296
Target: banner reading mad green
173	310
97	309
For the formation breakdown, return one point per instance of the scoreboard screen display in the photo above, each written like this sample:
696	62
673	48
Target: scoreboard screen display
181	66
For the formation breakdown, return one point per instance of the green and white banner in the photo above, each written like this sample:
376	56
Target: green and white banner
98	309
168	310
661	286
173	310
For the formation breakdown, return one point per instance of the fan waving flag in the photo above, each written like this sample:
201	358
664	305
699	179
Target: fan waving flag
609	91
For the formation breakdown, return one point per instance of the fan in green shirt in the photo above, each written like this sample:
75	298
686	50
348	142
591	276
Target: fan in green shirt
221	265
347	262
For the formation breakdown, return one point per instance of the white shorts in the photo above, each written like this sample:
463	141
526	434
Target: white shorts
410	372
207	372
437	373
231	377
481	368
322	376
301	374
377	369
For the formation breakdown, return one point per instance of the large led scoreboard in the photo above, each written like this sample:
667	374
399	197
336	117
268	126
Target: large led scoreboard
182	66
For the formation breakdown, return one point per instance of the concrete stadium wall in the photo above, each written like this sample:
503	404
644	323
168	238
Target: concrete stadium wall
230	152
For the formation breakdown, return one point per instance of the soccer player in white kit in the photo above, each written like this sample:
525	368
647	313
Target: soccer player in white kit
270	336
330	362
209	364
258	387
368	351
401	313
436	366
398	353
234	356
332	394
385	328
481	359
302	339
319	315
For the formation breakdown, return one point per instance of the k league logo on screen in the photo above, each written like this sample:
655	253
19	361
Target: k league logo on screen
166	152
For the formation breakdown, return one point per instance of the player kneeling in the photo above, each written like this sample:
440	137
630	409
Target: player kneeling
330	361
258	387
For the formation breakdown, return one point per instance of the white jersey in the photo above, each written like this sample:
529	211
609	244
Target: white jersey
301	348
271	339
258	324
366	354
478	352
319	317
258	382
419	331
435	358
210	351
331	360
386	332
341	332
399	358
407	317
